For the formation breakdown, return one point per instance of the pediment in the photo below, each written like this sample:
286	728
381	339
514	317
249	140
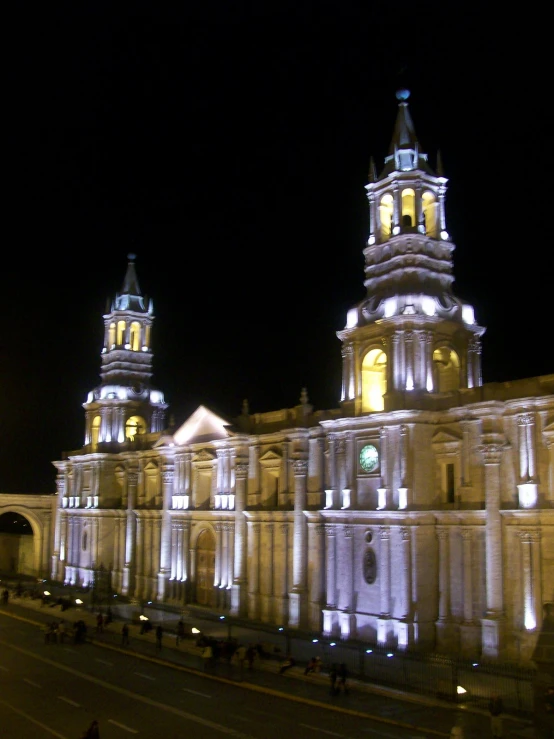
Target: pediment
271	455
204	456
445	437
202	425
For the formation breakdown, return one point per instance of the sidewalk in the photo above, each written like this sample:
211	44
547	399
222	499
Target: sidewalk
390	706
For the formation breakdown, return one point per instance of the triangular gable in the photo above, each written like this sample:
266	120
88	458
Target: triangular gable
441	437
201	425
271	454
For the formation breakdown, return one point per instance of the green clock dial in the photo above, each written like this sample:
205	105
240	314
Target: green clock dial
369	458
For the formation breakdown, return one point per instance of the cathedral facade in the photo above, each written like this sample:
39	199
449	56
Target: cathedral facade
418	514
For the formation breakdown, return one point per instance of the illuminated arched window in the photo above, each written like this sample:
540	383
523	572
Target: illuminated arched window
408	207
386	211
134	426
95	431
446	364
120	333
147	336
134	336
111	336
374	380
430	214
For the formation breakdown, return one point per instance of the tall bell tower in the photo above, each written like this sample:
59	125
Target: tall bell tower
411	341
124	407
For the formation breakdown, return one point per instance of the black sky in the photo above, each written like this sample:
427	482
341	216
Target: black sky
228	145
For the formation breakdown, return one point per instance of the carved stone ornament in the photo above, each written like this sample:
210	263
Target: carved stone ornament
370	566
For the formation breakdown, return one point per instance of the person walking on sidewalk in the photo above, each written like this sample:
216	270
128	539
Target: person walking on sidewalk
180	632
342	677
496	708
125	635
159	635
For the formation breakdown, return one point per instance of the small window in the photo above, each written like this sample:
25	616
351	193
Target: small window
450	489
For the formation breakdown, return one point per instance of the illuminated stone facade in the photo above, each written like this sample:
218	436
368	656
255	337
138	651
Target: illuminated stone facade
418	514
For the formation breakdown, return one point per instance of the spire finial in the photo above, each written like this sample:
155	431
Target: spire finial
131	257
402	94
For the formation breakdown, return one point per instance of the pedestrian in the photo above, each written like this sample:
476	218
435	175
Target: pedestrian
287	664
180	632
333	679
61	632
496	708
125	635
342	677
310	667
251	656
5	596
159	635
99	623
93	731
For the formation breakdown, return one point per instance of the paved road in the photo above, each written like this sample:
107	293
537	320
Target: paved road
432	718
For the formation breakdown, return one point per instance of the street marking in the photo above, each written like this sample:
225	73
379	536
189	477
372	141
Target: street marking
122	726
204	695
34	721
68	700
35	685
103	661
146	677
323	731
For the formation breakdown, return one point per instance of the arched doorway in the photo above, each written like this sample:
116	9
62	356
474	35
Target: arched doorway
16	545
205	569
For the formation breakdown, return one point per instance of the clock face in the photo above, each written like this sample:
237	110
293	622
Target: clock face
369	458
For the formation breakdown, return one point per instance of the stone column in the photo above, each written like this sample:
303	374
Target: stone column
298	605
384	630
218	554
467	559
405	626
333	482
493	623
527	487
317	570
266	581
130	529
443	535
164	550
139	559
384	492
253	570
347	616
239	601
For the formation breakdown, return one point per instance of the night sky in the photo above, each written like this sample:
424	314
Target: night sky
228	146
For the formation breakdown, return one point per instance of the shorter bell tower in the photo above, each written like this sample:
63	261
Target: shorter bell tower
124	407
411	341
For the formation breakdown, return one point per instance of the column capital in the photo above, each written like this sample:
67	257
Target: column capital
300	466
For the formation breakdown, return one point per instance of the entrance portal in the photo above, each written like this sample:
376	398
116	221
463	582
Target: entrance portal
205	569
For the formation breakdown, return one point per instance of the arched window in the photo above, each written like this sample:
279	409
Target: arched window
430	214
374	380
120	332
446	364
111	336
85	542
386	212
134	336
408	208
95	431
134	426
